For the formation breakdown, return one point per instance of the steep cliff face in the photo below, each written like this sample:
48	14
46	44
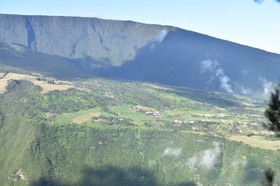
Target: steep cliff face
78	38
135	51
189	59
21	60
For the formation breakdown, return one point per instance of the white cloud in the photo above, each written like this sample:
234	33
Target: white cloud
245	91
267	86
239	163
213	67
225	83
173	152
159	38
209	65
206	159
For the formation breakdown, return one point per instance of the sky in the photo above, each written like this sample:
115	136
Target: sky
242	21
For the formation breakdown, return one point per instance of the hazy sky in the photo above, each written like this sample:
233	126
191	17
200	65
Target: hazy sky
241	21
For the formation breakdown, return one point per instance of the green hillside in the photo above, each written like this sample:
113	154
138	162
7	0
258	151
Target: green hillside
110	132
86	101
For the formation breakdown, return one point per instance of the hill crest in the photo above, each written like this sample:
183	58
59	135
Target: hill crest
152	53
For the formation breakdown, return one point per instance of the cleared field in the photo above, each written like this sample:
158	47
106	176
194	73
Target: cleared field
85	117
46	87
78	117
257	141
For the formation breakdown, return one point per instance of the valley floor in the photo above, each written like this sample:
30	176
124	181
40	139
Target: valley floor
108	132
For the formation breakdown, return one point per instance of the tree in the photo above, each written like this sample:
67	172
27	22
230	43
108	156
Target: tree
269	177
272	113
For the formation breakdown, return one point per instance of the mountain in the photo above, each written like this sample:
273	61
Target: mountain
63	123
106	41
152	53
21	60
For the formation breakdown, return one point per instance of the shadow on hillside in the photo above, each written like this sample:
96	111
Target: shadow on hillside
214	98
110	176
253	174
172	62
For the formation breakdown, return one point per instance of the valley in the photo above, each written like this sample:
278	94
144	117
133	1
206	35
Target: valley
122	132
88	101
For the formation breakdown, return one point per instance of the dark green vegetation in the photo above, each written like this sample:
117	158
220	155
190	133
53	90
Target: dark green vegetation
273	112
129	133
83	47
124	132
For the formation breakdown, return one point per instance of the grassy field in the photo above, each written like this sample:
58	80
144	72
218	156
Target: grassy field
106	132
80	117
257	141
184	113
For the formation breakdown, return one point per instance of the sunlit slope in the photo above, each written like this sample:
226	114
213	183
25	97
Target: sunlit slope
106	132
107	41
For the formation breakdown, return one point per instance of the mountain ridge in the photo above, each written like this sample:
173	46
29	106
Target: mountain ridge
138	22
145	52
130	21
122	129
92	32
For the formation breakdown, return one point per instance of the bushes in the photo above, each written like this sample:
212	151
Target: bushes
64	101
116	141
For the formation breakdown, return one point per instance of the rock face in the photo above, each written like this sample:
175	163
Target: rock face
135	51
78	38
198	61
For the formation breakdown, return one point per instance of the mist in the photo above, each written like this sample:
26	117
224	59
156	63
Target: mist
267	86
207	159
159	38
216	72
173	152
